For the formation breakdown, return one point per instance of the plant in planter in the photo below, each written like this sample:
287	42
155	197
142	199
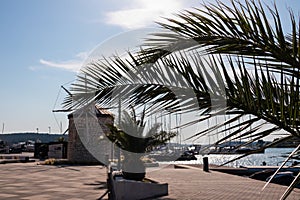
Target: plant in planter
134	140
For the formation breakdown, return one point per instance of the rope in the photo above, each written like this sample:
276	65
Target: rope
55	104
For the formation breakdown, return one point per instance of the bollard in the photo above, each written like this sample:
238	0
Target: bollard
205	164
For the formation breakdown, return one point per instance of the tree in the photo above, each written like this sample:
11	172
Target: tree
134	140
232	53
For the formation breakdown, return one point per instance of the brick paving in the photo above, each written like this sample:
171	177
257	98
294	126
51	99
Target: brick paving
194	183
40	182
31	181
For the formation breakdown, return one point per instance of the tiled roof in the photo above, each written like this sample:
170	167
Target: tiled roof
102	111
89	108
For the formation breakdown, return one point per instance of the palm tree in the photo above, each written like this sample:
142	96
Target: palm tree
135	141
221	53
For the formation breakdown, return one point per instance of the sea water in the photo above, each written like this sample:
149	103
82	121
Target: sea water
271	157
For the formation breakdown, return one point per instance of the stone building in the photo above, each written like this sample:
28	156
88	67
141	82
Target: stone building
87	142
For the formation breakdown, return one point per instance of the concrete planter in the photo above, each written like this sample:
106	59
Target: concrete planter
133	168
124	189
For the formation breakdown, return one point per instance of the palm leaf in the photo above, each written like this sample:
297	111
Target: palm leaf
209	56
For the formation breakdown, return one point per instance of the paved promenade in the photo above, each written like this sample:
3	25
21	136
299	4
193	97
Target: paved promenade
193	183
29	181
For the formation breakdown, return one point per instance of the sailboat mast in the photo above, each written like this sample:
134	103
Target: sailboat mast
60	127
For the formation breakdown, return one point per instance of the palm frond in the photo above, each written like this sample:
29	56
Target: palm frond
217	60
243	34
237	30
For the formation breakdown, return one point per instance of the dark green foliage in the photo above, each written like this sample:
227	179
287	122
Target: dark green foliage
132	137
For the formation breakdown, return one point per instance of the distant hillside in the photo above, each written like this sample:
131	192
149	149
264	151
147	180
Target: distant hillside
293	142
13	138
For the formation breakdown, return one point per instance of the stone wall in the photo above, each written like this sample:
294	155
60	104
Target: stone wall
87	140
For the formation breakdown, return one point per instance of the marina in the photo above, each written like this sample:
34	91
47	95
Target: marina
271	157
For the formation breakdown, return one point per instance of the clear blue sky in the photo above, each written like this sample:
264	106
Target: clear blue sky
43	43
